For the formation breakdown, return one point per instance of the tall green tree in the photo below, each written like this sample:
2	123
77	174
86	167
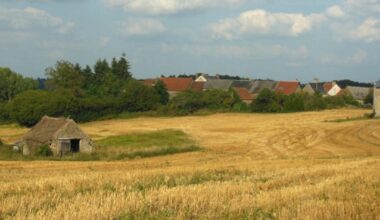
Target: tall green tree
66	76
121	68
162	91
12	84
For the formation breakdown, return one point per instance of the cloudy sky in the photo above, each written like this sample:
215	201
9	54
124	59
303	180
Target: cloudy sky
279	39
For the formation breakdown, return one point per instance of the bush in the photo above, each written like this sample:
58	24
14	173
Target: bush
294	103
44	151
314	102
138	97
4	112
267	101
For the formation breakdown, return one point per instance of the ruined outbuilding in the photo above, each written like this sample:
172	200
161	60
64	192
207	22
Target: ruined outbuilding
60	134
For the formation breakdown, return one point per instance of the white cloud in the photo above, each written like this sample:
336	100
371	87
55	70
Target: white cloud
262	22
359	57
363	6
335	11
160	7
142	26
31	19
368	31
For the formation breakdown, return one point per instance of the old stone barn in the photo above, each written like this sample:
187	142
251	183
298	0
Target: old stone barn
60	134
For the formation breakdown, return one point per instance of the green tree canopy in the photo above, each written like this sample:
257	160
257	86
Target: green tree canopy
12	84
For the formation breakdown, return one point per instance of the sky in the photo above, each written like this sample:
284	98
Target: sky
277	39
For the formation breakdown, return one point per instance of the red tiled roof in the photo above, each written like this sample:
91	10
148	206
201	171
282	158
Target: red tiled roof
177	84
243	93
328	86
287	88
197	86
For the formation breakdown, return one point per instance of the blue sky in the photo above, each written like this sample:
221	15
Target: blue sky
278	39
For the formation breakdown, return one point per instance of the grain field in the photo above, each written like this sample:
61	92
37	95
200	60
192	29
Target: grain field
252	166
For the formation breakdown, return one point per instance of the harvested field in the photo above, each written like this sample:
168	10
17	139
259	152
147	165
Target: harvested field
253	166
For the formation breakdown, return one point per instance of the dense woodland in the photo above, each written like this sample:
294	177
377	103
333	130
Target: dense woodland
108	89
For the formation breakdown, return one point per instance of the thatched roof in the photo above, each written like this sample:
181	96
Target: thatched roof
359	93
49	128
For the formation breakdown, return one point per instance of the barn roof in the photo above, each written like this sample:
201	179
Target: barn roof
260	85
287	87
44	130
359	93
177	84
223	84
243	93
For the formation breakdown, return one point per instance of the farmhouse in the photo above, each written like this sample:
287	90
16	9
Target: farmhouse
332	88
287	87
358	93
328	88
376	99
177	85
61	134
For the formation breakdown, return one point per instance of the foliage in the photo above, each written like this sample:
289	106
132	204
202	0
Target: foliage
267	101
294	103
138	97
346	82
44	151
12	84
162	91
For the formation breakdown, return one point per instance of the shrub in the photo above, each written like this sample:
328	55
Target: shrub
44	151
294	103
267	101
314	102
138	97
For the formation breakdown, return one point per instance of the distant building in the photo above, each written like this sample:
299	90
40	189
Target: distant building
259	85
358	93
376	99
287	87
60	134
177	85
244	94
323	88
205	78
222	84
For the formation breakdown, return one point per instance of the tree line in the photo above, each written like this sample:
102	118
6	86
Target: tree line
108	88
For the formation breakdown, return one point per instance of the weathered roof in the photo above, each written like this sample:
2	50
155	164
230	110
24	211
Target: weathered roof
260	85
359	93
218	84
243	93
287	87
45	129
318	87
177	84
197	86
242	84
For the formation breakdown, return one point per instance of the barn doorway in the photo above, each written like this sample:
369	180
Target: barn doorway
74	145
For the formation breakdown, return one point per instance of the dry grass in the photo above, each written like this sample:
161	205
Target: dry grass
288	166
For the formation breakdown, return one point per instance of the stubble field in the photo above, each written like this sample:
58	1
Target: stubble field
252	166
